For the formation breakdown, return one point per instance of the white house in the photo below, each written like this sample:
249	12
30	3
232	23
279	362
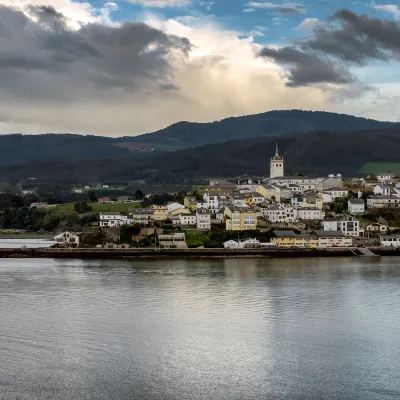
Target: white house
211	201
385	177
78	191
239	200
203	219
231	244
392	201
113	219
187	219
106	187
356	206
280	213
256	197
348	226
68	238
245	244
310	213
390	241
330	224
381	189
141	216
335	193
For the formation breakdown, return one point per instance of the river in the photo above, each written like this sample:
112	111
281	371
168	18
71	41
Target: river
298	329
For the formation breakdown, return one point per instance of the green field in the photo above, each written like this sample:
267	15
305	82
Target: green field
376	168
68	208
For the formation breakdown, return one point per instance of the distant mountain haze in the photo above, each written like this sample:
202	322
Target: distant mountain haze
313	153
21	149
273	123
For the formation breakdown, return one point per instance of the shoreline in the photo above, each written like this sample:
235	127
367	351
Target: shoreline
152	253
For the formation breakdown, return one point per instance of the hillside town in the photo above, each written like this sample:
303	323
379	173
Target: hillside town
295	211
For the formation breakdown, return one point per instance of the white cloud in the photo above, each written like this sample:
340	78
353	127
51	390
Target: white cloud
309	24
391	8
75	11
207	4
161	3
221	76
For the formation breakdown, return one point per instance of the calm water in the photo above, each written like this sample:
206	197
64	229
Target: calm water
223	329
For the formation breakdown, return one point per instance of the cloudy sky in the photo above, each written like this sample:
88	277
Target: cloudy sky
134	66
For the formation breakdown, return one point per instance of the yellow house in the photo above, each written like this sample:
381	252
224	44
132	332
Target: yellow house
313	201
240	219
190	202
377	228
267	191
182	210
160	213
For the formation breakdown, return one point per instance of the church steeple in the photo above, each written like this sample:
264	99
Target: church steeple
276	169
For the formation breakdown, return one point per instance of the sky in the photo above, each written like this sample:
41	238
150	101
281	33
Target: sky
128	67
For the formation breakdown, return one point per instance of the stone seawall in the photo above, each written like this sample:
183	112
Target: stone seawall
170	253
187	253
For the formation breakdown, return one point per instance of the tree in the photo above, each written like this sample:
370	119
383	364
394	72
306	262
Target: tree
92	197
82	207
139	195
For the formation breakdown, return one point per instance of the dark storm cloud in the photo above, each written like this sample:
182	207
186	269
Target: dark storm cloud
349	39
95	55
307	68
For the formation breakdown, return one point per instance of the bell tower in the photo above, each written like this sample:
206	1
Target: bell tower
276	165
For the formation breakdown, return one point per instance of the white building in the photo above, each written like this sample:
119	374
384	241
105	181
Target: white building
203	219
334	193
348	226
356	206
392	201
68	238
211	201
280	213
385	177
113	219
276	165
303	182
381	189
390	241
231	244
187	219
328	239
239	200
143	216
310	213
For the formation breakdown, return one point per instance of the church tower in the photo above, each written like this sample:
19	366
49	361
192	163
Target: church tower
276	165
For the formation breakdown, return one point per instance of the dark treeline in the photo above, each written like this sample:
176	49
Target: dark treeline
317	153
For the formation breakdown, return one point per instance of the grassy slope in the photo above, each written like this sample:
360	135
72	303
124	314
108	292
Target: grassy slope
68	208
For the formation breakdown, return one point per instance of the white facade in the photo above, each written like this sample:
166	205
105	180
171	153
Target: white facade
203	220
392	201
114	219
187	219
141	216
390	241
231	244
211	201
67	238
356	206
329	225
276	165
310	213
336	193
347	226
280	213
384	177
381	189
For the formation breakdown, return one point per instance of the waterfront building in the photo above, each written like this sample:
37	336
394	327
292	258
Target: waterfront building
240	219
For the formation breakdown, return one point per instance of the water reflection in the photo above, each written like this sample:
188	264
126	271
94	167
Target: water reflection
200	329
